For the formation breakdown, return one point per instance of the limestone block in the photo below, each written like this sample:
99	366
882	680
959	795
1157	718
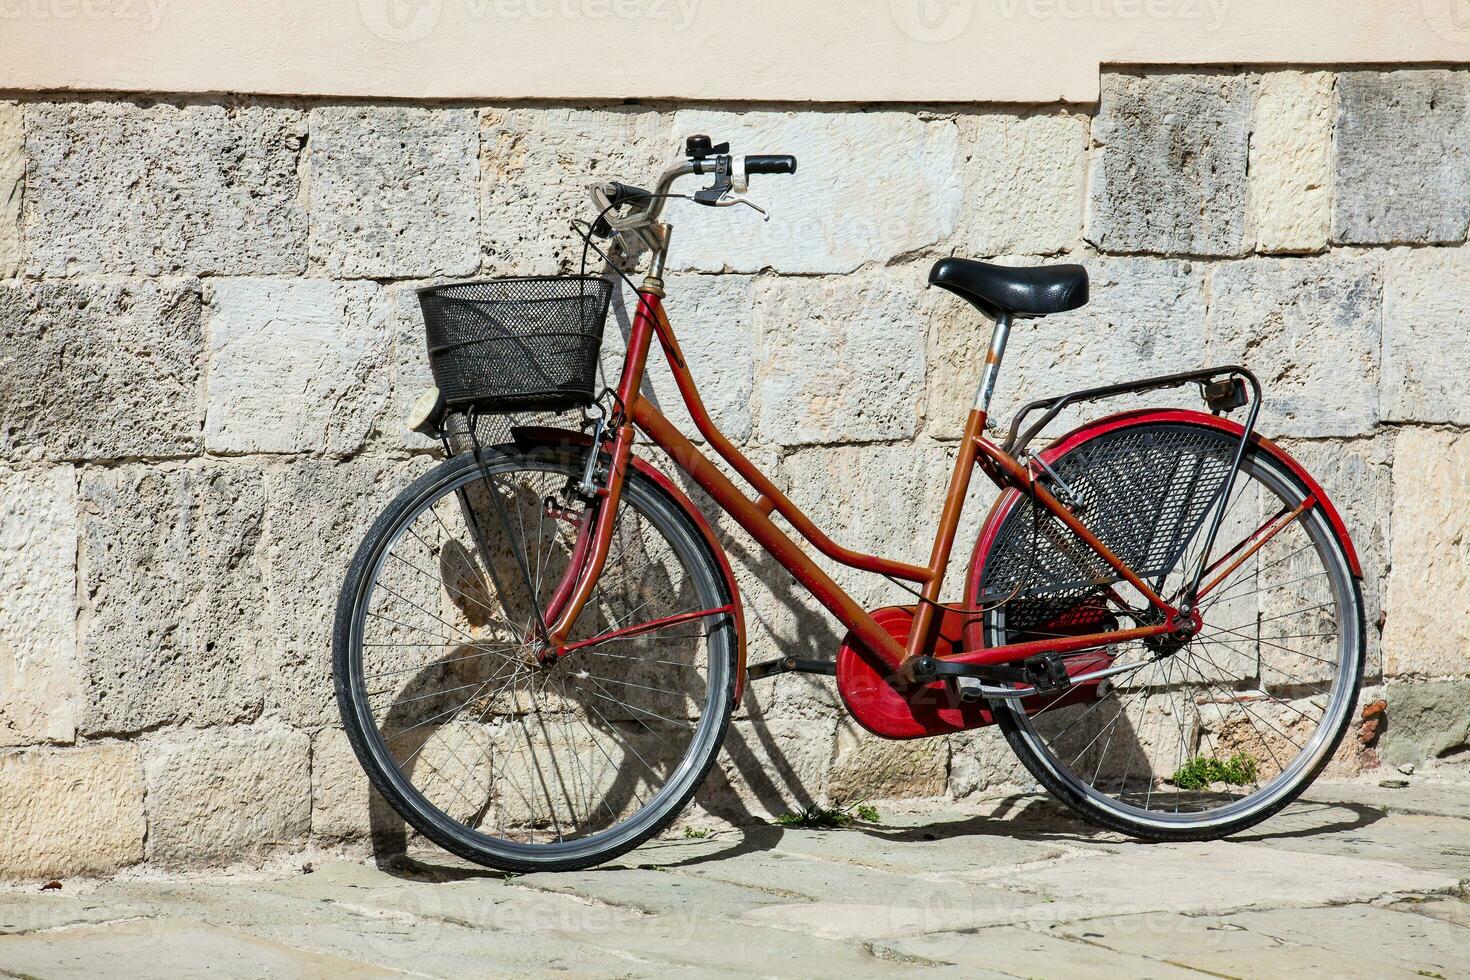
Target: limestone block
225	793
1427	720
1291	161
537	163
1426	336
881	500
1169	164
713	318
131	188
981	761
1356	475
1145	317
1023	182
838	360
1310	329
71	811
295	365
319	512
393	191
1427	632
869	186
865	766
344	806
38	569
1401	157
12	186
171	627
99	370
768	768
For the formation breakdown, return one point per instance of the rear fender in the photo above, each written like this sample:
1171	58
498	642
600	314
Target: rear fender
1146	416
529	436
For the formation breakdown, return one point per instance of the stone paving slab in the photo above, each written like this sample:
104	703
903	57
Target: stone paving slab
1361	880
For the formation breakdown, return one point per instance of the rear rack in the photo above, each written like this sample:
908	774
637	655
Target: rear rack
1221	397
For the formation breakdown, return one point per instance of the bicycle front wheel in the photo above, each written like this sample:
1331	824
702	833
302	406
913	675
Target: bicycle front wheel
510	759
1206	737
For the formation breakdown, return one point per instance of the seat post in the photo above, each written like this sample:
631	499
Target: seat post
998	338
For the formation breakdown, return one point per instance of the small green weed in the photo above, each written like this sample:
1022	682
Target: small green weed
814	816
694	833
1199	772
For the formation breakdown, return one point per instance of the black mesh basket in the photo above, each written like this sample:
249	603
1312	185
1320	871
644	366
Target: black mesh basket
522	344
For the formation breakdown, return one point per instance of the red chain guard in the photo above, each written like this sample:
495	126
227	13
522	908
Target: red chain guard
900	711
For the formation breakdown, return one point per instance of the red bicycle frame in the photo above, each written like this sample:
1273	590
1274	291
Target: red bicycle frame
638	414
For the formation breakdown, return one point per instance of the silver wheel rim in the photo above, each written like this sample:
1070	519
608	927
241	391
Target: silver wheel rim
679	781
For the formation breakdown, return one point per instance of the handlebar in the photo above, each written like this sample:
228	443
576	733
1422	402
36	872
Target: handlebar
771	164
621	193
701	157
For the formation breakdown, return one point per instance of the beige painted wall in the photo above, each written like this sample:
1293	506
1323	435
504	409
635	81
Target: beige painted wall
861	50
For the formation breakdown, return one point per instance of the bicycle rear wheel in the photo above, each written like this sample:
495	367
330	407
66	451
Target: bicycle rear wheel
489	752
1212	737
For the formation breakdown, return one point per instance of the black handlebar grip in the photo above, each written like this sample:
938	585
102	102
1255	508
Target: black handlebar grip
620	193
780	163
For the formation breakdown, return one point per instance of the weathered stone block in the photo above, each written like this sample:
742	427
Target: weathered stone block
295	365
159	189
71	811
172	596
768	768
713	318
1427	632
981	761
1426	720
1401	157
1145	317
896	191
1426	326
1291	161
344	806
12	186
1310	328
537	164
837	360
1024	183
318	514
226	793
99	370
1169	170
38	585
1356	475
882	500
868	767
393	191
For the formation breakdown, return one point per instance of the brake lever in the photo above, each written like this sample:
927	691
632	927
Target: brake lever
730	200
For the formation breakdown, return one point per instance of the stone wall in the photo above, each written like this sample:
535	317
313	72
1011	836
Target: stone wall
210	338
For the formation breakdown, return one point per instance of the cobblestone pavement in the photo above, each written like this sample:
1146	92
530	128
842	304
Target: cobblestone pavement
1360	879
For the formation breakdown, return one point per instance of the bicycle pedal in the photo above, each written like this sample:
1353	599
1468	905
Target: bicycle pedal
1047	673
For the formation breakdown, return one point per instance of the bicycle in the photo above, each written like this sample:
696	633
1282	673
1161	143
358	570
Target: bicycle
539	643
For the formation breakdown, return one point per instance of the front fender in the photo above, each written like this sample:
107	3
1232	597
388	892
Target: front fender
530	436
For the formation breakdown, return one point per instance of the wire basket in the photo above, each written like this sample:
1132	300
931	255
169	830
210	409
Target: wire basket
517	344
